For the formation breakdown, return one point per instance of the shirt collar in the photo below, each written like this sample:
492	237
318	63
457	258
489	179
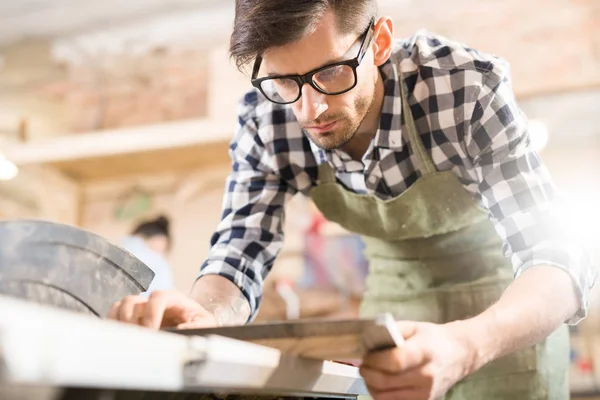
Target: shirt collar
338	159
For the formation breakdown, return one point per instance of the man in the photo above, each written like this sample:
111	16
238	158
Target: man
419	146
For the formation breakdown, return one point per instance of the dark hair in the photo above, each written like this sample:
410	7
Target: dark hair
263	24
158	226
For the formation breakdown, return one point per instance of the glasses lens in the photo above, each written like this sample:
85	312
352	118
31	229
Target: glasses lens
280	90
335	79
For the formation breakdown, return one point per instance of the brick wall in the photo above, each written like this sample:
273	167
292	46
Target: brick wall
105	92
552	45
124	90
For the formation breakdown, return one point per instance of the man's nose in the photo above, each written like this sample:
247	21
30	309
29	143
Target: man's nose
312	103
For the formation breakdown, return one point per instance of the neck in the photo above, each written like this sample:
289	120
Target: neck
358	145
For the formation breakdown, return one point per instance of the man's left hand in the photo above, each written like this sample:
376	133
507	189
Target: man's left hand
430	361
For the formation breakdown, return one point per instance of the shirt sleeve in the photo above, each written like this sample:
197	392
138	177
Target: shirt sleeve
249	235
524	205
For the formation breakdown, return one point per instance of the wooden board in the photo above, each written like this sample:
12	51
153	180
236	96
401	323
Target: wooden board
176	160
96	353
315	338
84	157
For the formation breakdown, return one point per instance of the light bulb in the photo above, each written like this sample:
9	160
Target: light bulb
8	170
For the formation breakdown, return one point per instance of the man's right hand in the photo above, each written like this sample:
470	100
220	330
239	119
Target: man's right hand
162	309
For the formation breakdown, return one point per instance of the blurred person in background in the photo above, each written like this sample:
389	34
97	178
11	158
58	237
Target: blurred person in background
419	145
150	241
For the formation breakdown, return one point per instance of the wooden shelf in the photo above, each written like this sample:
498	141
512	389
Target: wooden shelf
110	154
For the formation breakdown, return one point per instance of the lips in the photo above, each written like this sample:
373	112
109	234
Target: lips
323	127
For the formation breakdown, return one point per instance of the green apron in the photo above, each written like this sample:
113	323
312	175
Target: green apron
434	256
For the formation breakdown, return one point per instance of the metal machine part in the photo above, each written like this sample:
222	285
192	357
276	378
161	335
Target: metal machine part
67	267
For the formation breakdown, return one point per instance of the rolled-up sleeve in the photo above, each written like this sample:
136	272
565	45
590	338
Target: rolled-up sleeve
525	206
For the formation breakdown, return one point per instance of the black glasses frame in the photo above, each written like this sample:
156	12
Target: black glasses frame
308	77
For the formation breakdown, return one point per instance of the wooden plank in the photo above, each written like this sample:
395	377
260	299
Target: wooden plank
96	353
86	157
173	135
315	338
572	26
177	160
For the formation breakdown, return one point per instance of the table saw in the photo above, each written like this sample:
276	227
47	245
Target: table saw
56	283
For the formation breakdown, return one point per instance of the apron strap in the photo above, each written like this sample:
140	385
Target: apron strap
426	165
326	173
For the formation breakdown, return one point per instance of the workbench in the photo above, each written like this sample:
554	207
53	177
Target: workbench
51	354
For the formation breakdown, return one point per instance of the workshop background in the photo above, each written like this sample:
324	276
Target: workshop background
112	112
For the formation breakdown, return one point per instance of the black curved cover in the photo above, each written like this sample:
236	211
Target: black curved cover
42	256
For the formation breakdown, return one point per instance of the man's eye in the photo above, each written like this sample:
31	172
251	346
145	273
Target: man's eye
329	74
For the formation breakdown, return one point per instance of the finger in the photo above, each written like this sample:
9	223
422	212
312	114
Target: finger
383	381
403	358
127	310
138	313
155	309
404	394
114	311
183	309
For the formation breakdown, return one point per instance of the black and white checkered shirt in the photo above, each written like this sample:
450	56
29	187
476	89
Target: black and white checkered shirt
470	123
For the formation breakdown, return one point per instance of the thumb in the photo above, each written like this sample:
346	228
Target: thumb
407	355
407	329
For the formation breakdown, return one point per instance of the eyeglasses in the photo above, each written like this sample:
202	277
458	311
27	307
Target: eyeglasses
332	79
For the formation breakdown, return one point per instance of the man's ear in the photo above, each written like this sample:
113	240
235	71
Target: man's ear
383	37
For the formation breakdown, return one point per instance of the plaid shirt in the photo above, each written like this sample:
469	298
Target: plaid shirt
470	123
